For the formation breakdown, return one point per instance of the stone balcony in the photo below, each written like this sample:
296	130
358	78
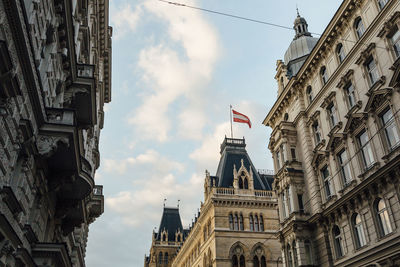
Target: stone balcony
96	202
223	192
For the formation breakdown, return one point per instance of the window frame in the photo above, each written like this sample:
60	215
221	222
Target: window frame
309	94
382	4
345	167
395	44
338	242
366	146
383	229
392	123
332	114
327	182
358	229
324	75
341	54
359	27
351	98
372	73
316	128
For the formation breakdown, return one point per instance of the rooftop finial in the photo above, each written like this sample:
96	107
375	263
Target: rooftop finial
178	202
297	9
165	200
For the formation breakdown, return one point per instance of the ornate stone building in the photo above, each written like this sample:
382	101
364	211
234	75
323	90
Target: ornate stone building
236	225
55	76
336	139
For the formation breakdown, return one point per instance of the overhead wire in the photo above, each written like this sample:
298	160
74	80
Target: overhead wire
261	22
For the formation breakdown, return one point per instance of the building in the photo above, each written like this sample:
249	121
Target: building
335	139
55	76
236	225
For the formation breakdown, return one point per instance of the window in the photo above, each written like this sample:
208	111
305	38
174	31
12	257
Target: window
261	223
293	153
350	93
278	159
317	132
365	149
283	204
235	262
256	225
395	40
382	3
340	52
390	129
372	70
282	84
332	115
246	183
327	182
300	200
309	94
236	223
166	258
160	258
242	261
308	249
283	149
294	253
290	257
344	167
358	231
324	75
230	222
359	27
383	217
337	237
256	262
290	199
241	222
251	223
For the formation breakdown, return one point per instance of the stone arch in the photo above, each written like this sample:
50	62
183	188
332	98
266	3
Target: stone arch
266	251
235	251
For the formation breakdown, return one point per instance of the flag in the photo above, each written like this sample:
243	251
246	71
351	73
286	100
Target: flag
239	117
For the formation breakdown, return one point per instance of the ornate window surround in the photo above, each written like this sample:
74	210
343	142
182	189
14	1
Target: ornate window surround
364	59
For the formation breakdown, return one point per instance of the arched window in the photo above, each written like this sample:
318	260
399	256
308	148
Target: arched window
340	52
324	75
179	238
166	258
235	262
246	183
241	223
164	238
242	261
240	183
358	231
338	241
383	217
359	27
261	223
308	250
289	254
160	258
251	223
209	228
230	222
256	262
236	222
294	253
263	262
256	228
309	94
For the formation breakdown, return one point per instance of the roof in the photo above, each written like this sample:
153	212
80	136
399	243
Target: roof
233	151
171	222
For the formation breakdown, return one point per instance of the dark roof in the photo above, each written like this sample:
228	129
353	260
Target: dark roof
171	222
233	151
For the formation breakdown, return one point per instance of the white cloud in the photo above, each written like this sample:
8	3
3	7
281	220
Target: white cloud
124	19
172	75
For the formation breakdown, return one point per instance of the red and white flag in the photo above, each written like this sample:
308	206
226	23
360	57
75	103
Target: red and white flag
239	117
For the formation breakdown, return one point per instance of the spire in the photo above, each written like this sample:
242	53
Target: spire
300	26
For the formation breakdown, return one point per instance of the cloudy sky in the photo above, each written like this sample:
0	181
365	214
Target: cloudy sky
175	73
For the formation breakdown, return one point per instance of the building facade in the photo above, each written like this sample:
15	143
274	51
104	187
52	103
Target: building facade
237	223
336	140
55	76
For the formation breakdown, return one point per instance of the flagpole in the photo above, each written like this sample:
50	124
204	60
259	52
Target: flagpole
231	122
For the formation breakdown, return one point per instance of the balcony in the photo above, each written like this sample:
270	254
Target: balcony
51	254
96	203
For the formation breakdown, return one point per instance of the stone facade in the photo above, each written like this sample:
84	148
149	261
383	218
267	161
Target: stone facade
237	223
335	143
55	76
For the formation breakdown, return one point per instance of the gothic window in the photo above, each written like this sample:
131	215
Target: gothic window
256	225
246	183
294	253
166	258
309	94
327	182
236	222
332	115
263	262
238	259
372	70
340	52
308	250
382	217
365	148
338	241
251	223
241	222
242	261
390	128
382	3
230	222
344	167
350	94
160	258
164	237
240	183
235	262
324	75
179	238
359	27
256	262
316	132
358	231
290	256
261	223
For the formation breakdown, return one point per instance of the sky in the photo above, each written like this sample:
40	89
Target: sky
175	73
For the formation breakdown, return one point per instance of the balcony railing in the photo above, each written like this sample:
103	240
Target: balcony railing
98	190
85	71
232	191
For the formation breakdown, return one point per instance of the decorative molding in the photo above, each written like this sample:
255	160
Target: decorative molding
47	145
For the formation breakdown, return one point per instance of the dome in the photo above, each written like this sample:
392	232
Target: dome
301	46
